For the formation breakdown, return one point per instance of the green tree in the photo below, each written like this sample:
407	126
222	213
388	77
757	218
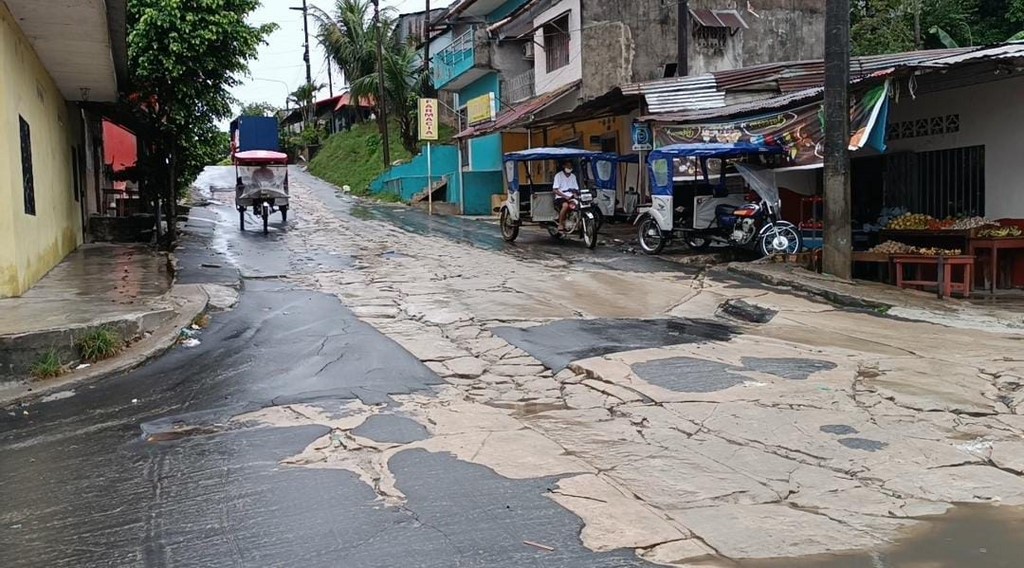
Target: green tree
258	109
304	98
184	57
403	80
349	36
889	26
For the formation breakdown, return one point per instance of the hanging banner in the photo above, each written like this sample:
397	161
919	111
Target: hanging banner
800	130
481	109
428	119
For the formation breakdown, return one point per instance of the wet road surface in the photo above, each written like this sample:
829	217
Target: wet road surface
151	469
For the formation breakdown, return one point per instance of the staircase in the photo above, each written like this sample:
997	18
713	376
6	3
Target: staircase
435	188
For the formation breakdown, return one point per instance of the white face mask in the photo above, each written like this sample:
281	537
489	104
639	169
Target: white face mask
568	171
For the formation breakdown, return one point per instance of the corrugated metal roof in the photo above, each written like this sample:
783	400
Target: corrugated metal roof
752	107
680	94
1004	51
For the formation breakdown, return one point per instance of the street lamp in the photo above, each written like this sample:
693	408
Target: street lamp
287	89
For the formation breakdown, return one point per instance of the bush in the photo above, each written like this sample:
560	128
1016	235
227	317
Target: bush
48	365
100	343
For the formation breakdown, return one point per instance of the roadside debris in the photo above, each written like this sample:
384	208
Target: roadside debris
543	547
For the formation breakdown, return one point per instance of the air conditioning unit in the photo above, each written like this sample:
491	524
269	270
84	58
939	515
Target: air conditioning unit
528	50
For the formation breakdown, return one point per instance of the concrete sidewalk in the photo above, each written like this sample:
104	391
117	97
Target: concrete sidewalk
128	288
998	314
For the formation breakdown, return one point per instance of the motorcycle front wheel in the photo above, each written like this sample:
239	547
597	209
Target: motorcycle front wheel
589	231
652	240
784	239
509	228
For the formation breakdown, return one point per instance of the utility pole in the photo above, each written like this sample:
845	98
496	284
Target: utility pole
428	87
305	54
683	60
838	250
382	114
330	78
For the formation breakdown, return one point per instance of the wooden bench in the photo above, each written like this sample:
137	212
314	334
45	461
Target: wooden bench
944	273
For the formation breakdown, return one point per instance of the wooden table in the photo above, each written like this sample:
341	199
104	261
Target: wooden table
880	259
995	245
944	273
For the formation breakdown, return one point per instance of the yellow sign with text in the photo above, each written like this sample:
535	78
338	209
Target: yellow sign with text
480	109
429	119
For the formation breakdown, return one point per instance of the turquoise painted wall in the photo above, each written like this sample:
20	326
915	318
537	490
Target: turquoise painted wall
504	10
485	153
409	179
479	186
486	84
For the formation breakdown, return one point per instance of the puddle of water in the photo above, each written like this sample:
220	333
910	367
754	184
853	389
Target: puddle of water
969	536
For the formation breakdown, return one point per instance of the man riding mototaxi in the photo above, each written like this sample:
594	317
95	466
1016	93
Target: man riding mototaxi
564	185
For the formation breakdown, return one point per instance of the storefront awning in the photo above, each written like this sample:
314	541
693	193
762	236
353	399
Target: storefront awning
521	114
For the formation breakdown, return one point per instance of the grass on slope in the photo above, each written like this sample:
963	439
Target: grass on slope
355	158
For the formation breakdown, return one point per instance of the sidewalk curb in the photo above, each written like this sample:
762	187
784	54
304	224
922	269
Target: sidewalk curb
191	300
831	296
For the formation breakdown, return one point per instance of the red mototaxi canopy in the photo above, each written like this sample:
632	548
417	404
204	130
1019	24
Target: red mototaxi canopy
257	157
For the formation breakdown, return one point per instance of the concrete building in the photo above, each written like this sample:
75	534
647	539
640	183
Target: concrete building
51	56
538	59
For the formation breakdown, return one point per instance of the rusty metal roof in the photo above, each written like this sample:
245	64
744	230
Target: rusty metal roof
521	114
680	94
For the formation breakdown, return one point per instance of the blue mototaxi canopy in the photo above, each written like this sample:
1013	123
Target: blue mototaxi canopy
603	176
660	162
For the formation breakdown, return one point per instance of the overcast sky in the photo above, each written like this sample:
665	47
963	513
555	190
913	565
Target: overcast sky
279	70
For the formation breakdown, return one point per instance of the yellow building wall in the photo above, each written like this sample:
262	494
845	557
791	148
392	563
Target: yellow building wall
31	245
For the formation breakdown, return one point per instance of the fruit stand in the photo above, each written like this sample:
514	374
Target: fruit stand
933	246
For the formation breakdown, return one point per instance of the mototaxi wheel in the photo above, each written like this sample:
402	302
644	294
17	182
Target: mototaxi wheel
784	239
652	240
589	231
509	227
284	214
241	218
265	213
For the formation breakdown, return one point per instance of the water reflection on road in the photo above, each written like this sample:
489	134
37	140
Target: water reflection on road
970	536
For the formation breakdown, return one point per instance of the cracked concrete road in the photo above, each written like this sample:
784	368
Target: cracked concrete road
395	390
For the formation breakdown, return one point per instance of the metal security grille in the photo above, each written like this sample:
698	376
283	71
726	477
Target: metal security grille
952	182
940	183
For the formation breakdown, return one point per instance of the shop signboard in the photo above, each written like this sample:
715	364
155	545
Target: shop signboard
800	130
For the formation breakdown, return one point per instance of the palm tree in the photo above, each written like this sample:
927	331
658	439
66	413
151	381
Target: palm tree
304	98
402	86
349	37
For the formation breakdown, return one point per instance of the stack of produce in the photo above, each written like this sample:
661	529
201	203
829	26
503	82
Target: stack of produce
1000	233
894	247
968	223
936	225
910	222
932	251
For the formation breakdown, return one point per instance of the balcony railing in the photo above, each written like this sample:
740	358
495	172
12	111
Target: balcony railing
521	87
455	59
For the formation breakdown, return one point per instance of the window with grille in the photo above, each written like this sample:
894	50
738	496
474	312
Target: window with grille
556	43
27	174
